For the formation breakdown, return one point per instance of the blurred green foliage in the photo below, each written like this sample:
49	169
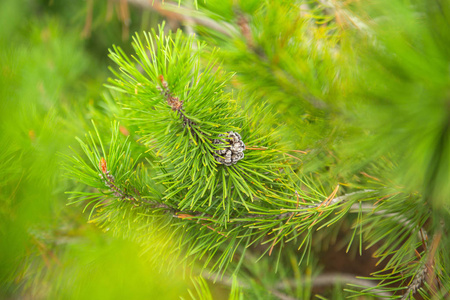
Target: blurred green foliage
362	86
51	82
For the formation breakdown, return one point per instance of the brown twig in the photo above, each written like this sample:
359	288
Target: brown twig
191	217
369	176
184	14
124	14
326	202
117	191
430	262
244	27
296	206
325	279
331	279
423	238
331	201
176	105
88	24
44	250
109	10
426	270
109	181
329	198
416	283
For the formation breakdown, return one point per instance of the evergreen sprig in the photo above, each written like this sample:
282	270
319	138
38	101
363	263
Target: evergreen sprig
129	201
209	210
206	212
181	108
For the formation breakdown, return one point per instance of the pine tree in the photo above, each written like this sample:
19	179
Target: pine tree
285	149
373	127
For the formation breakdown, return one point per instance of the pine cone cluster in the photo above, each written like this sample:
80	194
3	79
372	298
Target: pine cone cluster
233	148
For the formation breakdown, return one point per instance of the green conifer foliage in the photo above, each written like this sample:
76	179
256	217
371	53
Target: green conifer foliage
368	99
203	210
227	207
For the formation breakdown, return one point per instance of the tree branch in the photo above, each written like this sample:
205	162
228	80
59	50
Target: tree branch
184	14
326	279
340	199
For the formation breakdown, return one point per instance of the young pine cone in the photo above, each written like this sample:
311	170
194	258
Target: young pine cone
232	148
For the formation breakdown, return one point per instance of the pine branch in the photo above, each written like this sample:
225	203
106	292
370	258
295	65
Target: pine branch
192	154
416	283
122	195
331	200
426	270
225	232
216	208
319	281
177	105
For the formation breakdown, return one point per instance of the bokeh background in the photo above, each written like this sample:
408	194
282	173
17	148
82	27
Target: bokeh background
53	64
368	118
